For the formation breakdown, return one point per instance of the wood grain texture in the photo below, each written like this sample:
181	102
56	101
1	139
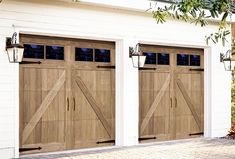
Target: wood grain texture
189	102
155	104
78	126
172	119
42	108
94	104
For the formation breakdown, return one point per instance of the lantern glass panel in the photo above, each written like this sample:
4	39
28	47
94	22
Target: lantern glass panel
138	60
142	60
15	54
135	60
227	65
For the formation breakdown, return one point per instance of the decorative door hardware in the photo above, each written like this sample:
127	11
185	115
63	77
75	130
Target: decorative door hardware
111	67
147	138
104	142
196	69
199	133
29	149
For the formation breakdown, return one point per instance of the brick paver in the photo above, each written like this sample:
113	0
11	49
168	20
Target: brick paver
198	148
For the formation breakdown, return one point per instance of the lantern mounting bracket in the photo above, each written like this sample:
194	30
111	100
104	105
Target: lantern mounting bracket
131	51
8	41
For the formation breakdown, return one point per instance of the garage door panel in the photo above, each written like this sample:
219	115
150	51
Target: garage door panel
42	105
181	105
89	77
180	109
94	97
35	136
82	110
161	125
101	133
164	105
189	98
149	129
46	132
193	127
54	112
145	104
154	100
50	131
146	79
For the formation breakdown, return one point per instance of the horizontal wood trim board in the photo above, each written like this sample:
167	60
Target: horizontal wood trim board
94	104
189	103
155	104
42	108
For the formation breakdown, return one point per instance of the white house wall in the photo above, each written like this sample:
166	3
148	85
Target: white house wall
125	27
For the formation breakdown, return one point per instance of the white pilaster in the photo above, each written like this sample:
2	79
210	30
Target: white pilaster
127	96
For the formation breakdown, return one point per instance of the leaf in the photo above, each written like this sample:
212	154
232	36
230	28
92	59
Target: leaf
193	11
177	15
224	16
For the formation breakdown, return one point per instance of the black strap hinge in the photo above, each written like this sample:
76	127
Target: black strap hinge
196	69
29	149
111	67
147	68
104	142
199	133
147	138
30	62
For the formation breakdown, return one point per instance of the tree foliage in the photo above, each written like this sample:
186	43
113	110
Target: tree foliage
233	101
198	12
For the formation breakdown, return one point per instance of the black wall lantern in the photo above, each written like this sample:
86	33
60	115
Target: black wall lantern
138	60
228	60
14	51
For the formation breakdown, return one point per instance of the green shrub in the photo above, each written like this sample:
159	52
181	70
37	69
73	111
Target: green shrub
233	100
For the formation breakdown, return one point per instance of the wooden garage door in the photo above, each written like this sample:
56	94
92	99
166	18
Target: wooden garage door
155	105
93	91
42	108
42	96
67	101
189	112
171	97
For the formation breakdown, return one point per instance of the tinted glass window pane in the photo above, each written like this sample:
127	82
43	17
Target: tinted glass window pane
194	60
55	52
102	55
150	58
83	54
183	59
33	51
163	59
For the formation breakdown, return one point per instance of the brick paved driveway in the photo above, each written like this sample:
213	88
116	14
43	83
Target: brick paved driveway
182	149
